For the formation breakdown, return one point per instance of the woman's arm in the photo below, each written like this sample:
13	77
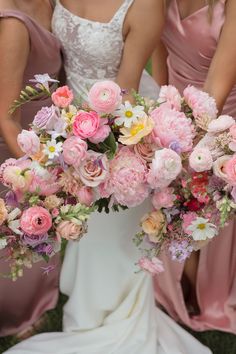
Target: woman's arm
14	49
222	73
159	64
146	20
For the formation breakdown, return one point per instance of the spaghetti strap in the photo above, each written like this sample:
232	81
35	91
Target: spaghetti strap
122	12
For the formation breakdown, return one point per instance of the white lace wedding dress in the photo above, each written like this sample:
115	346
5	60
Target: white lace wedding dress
111	309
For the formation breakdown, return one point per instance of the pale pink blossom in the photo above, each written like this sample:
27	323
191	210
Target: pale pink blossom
74	150
17	178
86	124
62	97
172	127
220	124
165	167
94	169
69	230
153	266
45	186
36	221
86	195
188	218
163	198
171	95
104	97
230	170
29	142
201	160
219	167
102	132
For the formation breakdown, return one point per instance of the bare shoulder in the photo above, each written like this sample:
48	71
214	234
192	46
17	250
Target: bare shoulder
230	9
7	4
146	12
145	6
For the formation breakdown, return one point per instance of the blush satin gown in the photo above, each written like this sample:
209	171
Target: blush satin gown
191	45
24	301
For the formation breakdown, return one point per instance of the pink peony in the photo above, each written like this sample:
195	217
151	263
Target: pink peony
105	97
86	124
171	95
102	132
35	221
163	198
220	124
62	97
45	186
201	160
153	266
69	231
94	169
165	167
230	170
86	195
69	182
74	150
29	142
127	179
200	103
187	221
172	127
46	118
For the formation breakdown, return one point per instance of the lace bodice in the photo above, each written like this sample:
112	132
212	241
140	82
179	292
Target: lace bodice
92	50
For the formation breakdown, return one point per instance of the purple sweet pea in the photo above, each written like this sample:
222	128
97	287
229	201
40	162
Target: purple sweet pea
44	249
175	146
33	240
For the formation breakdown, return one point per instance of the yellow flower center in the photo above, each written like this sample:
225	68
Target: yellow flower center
69	115
52	148
129	114
201	226
136	129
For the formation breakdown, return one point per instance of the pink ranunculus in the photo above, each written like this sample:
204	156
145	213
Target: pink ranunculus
230	170
163	198
172	127
94	169
86	124
201	160
62	97
29	142
165	167
102	132
86	195
153	266
74	150
220	124
127	179
171	95
105	97
69	231
46	118
233	131
187	221
200	102
36	221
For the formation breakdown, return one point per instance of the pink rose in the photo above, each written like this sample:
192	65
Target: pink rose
36	221
219	167
74	150
62	97
230	170
105	97
86	195
188	218
233	131
153	266
86	124
29	142
171	95
220	124
102	132
69	231
94	169
145	151
163	198
201	160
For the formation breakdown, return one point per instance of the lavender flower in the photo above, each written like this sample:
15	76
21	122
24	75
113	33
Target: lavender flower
44	249
33	240
175	146
180	250
43	80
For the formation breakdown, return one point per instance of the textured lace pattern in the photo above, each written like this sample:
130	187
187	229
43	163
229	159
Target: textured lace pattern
92	50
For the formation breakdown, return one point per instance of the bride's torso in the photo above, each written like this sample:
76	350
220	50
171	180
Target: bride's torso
92	50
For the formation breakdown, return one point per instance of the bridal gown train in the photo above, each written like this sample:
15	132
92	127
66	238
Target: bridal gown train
111	308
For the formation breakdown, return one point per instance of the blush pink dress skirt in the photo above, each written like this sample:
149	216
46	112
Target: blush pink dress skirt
24	301
191	44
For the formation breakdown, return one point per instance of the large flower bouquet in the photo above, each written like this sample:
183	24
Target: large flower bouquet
192	176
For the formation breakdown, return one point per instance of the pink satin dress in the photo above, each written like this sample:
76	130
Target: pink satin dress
24	301
191	44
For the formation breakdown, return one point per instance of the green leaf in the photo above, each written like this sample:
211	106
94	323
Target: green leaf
103	204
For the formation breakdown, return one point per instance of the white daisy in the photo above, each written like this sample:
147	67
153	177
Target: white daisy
128	115
202	230
3	243
52	148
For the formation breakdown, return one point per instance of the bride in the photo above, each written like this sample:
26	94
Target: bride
111	308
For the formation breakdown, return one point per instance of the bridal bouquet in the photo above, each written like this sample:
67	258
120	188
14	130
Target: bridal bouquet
192	176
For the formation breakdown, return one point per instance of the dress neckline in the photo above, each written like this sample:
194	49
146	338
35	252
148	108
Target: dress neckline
88	20
190	15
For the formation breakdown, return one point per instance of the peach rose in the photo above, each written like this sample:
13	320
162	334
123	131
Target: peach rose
62	97
154	224
3	211
69	231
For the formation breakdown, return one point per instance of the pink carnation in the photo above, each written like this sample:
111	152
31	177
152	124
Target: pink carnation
86	124
127	179
153	266
172	127
188	218
163	198
200	103
62	97
230	170
94	169
201	160
105	97
29	142
165	167
35	221
74	150
102	132
171	95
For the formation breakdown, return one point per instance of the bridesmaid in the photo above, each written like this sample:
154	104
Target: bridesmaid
27	48
199	43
